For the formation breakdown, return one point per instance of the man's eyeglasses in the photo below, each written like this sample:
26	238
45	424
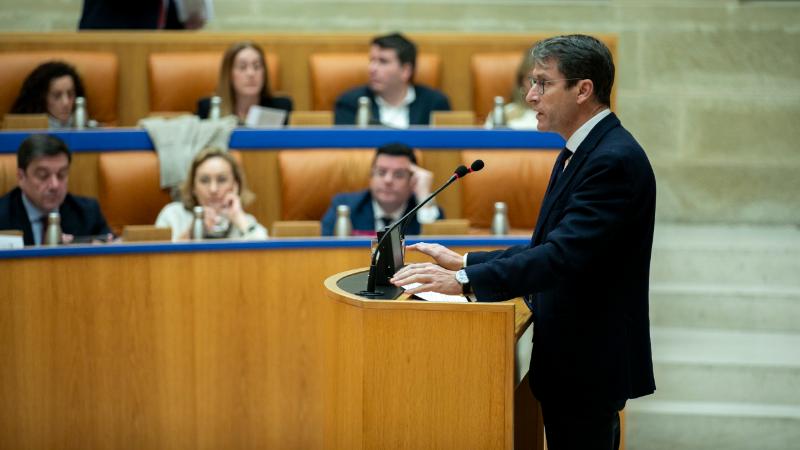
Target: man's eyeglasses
539	84
396	174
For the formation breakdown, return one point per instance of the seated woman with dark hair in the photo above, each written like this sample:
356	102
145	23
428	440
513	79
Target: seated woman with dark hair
215	182
244	83
50	89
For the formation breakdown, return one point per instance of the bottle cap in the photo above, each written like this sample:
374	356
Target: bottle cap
342	209
499	206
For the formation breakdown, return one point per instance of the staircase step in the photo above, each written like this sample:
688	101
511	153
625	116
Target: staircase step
657	425
760	256
746	308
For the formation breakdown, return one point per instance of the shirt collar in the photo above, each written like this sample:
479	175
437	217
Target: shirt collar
411	95
34	213
580	134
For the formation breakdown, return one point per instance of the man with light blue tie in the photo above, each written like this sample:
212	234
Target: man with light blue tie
42	176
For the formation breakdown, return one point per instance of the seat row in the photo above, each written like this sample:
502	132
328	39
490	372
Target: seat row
127	183
178	79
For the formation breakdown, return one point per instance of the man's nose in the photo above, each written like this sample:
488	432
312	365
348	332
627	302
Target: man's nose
53	181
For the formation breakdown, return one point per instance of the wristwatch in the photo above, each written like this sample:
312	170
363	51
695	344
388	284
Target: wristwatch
463	280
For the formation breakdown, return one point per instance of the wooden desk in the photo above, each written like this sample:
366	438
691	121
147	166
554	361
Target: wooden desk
196	345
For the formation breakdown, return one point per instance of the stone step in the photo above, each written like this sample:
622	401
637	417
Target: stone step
745	256
722	365
667	425
725	307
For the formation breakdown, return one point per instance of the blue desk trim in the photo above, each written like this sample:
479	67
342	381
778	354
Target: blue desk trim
270	244
126	139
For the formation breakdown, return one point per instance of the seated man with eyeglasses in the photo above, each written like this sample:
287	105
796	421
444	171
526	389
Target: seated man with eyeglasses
395	186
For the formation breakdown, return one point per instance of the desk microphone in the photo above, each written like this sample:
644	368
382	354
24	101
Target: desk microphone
460	172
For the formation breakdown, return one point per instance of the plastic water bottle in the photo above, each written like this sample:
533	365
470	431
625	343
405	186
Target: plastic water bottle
498	113
500	219
80	113
198	229
343	227
53	234
363	114
214	113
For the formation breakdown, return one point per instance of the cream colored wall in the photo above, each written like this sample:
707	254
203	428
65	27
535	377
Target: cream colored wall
710	88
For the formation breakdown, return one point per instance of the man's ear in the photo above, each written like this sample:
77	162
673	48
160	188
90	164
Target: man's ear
20	175
585	90
407	72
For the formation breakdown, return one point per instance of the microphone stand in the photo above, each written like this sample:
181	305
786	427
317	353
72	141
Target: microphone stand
373	266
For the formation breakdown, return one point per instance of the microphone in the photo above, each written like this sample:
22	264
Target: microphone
460	172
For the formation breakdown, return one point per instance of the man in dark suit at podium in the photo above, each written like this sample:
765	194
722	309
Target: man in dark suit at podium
585	273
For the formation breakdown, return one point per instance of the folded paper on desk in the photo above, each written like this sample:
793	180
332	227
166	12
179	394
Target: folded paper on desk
435	296
261	117
10	241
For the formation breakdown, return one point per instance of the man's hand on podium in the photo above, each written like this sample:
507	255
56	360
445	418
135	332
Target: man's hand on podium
431	277
442	255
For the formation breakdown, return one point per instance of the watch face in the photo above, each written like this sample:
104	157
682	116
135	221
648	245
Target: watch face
461	277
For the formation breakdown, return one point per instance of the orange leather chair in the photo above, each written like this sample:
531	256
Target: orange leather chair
129	188
8	172
493	74
99	72
178	80
334	73
310	178
517	177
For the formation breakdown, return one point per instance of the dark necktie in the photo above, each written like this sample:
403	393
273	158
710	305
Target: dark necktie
559	167
386	221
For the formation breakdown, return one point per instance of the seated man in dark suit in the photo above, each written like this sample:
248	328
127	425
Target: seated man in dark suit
395	185
394	98
42	176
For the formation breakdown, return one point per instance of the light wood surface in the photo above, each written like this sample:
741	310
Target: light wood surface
293	49
419	374
217	349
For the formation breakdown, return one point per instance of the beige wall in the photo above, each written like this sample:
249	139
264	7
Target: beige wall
711	88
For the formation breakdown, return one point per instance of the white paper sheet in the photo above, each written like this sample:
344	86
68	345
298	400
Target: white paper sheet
437	297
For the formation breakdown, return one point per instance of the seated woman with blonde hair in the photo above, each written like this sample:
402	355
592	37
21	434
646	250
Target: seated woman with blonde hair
215	182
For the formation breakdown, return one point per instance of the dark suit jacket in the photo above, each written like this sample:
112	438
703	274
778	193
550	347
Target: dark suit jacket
586	273
80	216
419	111
362	215
284	103
125	15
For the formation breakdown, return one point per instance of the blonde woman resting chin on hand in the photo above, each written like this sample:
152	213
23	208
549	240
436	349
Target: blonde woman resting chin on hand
215	182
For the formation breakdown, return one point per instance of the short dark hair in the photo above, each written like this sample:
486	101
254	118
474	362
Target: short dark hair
39	145
580	56
32	98
395	149
405	49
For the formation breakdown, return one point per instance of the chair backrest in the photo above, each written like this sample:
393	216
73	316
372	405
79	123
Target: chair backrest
493	74
129	188
452	119
332	74
517	177
178	80
8	172
25	122
99	72
310	179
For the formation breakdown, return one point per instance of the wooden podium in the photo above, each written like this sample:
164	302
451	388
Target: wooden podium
415	374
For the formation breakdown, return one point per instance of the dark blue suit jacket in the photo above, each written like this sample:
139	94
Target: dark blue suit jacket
362	215
80	216
123	15
586	273
419	111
